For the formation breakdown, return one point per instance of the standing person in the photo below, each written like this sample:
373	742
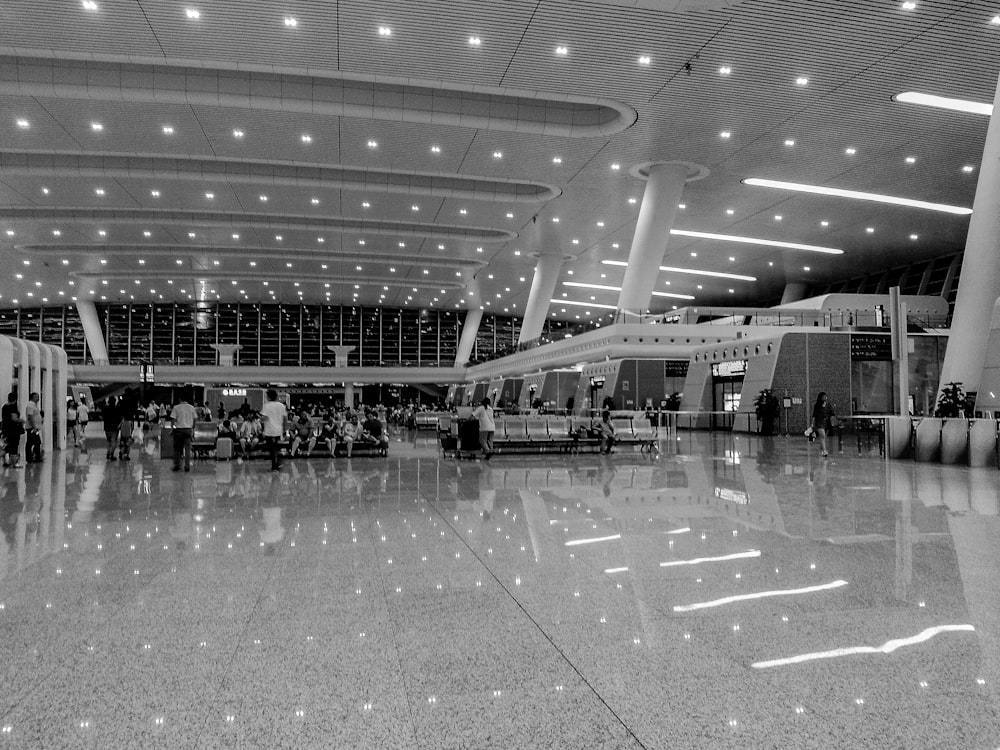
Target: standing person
33	426
71	416
274	415
183	416
484	413
607	432
222	411
821	421
112	419
128	405
11	427
82	420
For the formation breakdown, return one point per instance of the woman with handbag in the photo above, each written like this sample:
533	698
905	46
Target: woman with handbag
821	416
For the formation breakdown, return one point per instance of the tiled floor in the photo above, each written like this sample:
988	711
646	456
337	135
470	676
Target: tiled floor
707	597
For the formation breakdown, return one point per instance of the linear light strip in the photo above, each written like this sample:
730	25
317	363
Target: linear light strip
759	595
757	241
691	271
616	570
720	558
684	530
886	648
607	288
592	540
857	195
944	102
582	304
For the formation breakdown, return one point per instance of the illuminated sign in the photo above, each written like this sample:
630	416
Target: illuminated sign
729	368
732	496
234	391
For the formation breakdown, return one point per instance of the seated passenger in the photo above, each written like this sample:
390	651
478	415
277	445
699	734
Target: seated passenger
329	434
606	431
352	431
228	430
372	432
250	433
302	432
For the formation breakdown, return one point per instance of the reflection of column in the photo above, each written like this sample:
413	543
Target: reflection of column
664	186
92	331
23	382
227	353
49	402
537	519
979	283
905	533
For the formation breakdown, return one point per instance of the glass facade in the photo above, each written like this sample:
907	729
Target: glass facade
269	334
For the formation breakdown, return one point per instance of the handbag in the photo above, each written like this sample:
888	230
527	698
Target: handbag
809	432
834	422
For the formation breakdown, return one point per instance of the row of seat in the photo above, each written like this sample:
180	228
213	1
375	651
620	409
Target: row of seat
566	433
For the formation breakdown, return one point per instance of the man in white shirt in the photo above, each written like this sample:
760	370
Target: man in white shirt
82	419
33	426
183	416
484	413
274	415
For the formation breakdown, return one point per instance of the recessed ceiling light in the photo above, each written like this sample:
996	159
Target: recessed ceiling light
777	217
414	208
102	232
850	151
263	199
45	191
147	233
600	223
968	168
475	41
278	237
562	51
384	31
168	130
682	206
321	240
155	193
725	134
510	215
730	211
23	124
557	160
914	236
361	242
463	211
435	149
210	196
824	223
366	204
235	236
995	20
801	81
291	22
192	13
56	232
238	133
99	191
789	142
306	138
10	232
632	201
644	60
142	262
870	230
89	5
909	5
498	154
96	127
857	195
725	70
372	144
616	167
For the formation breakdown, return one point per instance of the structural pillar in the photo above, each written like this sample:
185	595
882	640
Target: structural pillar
469	330
794	291
340	354
543	285
227	353
979	283
664	185
92	331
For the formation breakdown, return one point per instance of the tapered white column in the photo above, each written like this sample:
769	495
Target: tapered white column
794	291
979	283
664	185
92	331
469	330
543	284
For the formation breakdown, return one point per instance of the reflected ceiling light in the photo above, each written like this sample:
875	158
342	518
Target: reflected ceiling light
886	648
759	595
592	540
720	558
857	195
944	102
582	304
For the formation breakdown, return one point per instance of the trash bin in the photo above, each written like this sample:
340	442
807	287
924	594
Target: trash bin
166	442
468	436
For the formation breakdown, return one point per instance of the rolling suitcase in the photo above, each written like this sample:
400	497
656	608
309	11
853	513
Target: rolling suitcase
223	449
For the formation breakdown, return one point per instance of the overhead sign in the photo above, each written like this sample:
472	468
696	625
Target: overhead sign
675	368
234	391
871	347
147	372
729	368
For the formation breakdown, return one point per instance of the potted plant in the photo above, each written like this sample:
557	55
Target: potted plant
767	407
952	408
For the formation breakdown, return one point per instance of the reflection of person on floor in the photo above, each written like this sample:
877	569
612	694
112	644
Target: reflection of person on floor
272	533
822	490
606	476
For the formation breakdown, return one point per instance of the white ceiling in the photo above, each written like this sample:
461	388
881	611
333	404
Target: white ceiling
136	66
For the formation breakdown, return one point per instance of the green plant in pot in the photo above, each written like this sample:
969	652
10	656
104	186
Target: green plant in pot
951	402
767	407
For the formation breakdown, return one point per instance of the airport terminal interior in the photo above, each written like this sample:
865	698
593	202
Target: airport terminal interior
723	272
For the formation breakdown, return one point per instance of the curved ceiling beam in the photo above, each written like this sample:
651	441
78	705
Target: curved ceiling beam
260	172
149	251
270	276
333	94
111	216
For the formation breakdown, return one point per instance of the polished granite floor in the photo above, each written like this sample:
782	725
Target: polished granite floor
730	592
